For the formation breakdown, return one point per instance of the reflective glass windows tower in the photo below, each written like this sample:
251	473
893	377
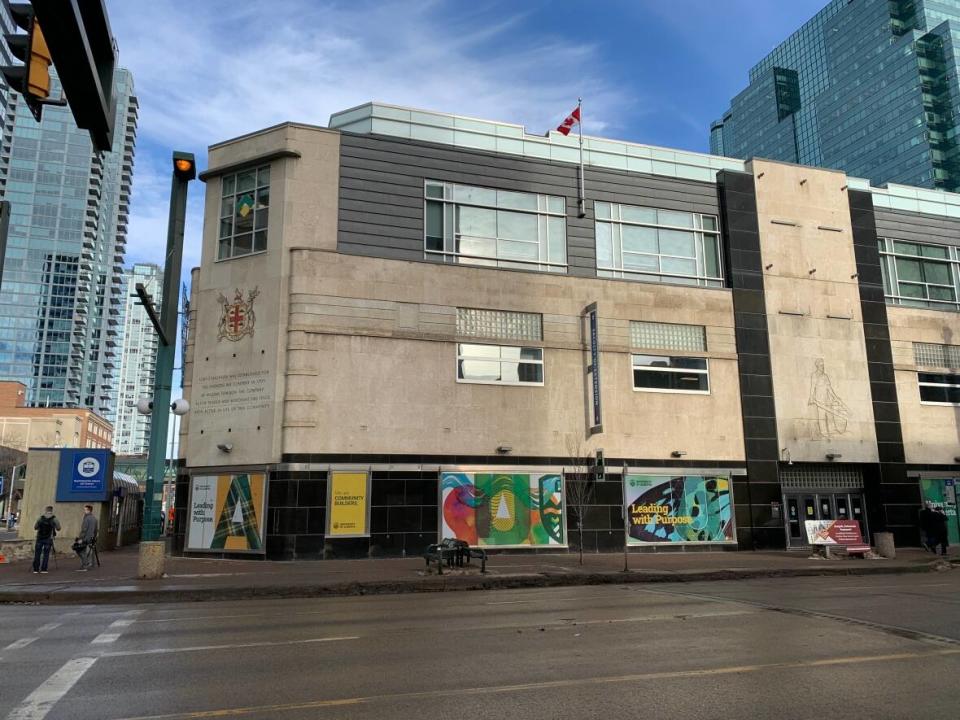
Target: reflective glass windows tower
866	86
61	305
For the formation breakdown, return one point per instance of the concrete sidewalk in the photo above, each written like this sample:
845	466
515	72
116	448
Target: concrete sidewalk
194	579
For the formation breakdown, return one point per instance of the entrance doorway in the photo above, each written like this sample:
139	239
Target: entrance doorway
821	505
942	492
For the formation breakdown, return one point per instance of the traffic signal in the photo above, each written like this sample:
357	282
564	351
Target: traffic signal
32	79
184	166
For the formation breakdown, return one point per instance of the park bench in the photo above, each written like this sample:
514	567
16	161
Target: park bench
453	553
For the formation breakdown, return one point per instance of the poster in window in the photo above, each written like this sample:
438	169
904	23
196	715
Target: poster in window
669	509
227	513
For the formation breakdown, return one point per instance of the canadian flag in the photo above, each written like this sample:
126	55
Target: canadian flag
572	119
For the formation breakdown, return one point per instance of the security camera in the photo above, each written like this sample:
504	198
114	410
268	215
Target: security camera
225	447
144	406
180	407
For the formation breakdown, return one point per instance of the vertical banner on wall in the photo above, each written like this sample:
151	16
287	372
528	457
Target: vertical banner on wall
503	509
678	509
348	504
227	513
593	369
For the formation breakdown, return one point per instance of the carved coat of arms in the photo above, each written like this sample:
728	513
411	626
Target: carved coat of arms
237	317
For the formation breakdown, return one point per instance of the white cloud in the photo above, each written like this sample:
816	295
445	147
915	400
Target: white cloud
208	71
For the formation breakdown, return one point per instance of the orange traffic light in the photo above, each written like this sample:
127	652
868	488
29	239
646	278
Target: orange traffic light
38	67
184	166
32	79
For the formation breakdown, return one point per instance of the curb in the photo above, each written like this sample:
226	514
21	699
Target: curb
437	584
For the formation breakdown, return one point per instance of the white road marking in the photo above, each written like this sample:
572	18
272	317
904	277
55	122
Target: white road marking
41	701
202	648
22	642
107	637
509	602
48	627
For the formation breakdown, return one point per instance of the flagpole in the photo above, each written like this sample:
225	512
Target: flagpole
581	202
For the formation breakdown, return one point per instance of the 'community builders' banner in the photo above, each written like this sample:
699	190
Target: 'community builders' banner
348	504
227	513
503	509
678	509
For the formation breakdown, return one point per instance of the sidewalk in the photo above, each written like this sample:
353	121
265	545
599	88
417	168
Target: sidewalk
195	579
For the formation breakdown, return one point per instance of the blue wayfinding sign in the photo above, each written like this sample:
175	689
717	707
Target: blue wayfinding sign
84	475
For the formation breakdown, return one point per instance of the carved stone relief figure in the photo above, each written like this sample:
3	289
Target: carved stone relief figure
832	415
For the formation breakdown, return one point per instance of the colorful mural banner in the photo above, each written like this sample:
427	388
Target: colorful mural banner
678	509
348	504
227	513
497	509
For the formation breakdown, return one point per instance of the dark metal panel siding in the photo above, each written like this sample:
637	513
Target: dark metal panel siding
888	490
754	495
381	193
918	227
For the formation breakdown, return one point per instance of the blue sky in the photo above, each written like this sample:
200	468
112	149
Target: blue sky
207	70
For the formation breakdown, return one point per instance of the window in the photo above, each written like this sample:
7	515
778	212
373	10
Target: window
939	388
918	274
935	355
658	373
651	245
496	228
499	364
244	211
668	336
499	324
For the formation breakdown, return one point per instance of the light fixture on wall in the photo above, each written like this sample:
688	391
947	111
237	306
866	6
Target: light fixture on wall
956	459
833	456
811	271
855	276
803	181
225	447
785	455
504	449
678	453
768	266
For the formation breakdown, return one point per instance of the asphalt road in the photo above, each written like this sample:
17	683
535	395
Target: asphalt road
854	647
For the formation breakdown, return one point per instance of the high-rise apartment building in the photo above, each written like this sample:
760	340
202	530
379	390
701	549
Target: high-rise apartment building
62	300
866	86
137	362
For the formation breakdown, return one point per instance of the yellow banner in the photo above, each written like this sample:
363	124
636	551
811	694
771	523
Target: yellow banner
347	511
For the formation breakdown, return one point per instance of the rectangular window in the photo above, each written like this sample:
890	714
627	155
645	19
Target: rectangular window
934	355
244	212
658	373
939	388
499	364
652	245
668	336
919	274
496	228
499	324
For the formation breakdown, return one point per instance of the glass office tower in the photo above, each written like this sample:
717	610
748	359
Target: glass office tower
866	86
61	304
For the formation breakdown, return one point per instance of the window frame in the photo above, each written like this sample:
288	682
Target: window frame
891	276
676	371
234	194
451	239
922	384
698	230
466	381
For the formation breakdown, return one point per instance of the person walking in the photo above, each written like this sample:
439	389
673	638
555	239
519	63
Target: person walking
933	527
47	527
88	537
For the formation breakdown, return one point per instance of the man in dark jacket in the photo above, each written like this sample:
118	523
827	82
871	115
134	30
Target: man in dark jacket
88	538
933	526
47	528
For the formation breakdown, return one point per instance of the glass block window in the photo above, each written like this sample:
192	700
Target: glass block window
939	388
244	211
499	365
499	324
495	228
820	476
920	274
935	355
651	245
668	336
655	373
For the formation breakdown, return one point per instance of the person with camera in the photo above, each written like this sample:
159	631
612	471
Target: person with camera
47	527
84	544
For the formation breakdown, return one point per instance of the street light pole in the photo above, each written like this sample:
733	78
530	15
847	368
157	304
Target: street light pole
184	170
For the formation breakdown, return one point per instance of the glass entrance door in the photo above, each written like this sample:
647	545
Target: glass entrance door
821	506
